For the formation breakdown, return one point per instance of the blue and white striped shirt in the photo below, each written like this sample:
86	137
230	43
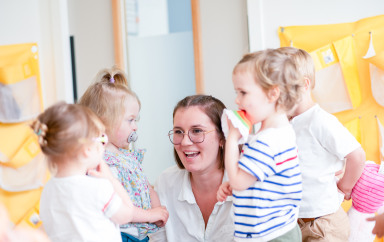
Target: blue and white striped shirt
270	207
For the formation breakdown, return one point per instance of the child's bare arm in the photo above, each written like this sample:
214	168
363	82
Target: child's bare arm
238	179
354	166
158	215
155	201
128	212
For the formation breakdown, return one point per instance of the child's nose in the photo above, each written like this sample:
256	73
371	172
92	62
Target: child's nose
237	100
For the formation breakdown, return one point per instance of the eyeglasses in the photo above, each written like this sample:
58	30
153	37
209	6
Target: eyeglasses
195	135
103	139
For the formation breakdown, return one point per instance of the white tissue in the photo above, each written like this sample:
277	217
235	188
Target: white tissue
236	122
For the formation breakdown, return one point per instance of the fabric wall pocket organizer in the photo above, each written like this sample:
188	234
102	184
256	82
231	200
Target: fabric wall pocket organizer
20	90
20	147
337	85
376	71
354	127
22	179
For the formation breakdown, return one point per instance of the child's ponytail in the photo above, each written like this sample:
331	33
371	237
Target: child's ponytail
114	76
106	96
62	126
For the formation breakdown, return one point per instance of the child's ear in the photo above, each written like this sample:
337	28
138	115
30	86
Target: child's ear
307	83
274	93
87	151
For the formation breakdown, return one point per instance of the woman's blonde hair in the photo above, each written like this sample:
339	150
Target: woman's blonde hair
106	96
271	68
62	127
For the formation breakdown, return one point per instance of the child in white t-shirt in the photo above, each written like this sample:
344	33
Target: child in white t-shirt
82	201
325	146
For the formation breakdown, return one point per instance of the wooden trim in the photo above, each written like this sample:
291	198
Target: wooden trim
197	48
118	33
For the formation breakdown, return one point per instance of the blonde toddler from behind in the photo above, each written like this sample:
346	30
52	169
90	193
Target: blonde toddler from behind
325	147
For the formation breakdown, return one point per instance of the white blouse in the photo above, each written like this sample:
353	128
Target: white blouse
185	221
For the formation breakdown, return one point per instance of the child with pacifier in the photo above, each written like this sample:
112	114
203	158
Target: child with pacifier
82	201
118	107
265	176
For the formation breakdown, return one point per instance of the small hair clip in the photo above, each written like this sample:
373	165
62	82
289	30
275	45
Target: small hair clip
38	133
112	80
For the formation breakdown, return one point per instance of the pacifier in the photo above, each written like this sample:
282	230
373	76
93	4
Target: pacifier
132	137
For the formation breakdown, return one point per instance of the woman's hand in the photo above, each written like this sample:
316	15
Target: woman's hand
224	191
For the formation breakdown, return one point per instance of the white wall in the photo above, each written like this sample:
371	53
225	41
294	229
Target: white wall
50	22
161	70
224	41
153	17
90	22
266	16
43	22
162	73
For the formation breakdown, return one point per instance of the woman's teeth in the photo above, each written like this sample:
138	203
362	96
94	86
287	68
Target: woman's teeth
191	154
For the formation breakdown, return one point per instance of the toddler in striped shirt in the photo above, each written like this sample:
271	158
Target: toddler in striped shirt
265	176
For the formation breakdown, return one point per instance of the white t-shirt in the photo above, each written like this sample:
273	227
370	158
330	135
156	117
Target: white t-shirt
185	221
78	208
323	143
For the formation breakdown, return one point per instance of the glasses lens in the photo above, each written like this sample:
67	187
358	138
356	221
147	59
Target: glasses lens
176	136
196	135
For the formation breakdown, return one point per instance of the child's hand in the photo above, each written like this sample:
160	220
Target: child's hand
233	132
347	195
224	191
159	216
379	225
102	171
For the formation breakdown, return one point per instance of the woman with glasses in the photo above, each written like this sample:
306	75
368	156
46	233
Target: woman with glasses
189	189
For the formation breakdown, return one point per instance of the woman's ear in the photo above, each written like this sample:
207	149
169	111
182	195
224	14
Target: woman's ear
274	93
222	143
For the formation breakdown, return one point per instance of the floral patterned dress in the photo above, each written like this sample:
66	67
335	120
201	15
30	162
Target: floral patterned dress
127	168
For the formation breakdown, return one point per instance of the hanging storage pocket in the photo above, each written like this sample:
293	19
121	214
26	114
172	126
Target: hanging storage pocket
20	95
376	71
337	85
19	145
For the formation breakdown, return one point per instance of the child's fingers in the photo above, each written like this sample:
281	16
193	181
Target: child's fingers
218	196
371	219
228	190
94	173
160	223
221	197
229	123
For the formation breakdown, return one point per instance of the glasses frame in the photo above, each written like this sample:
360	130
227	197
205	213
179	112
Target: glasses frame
171	132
